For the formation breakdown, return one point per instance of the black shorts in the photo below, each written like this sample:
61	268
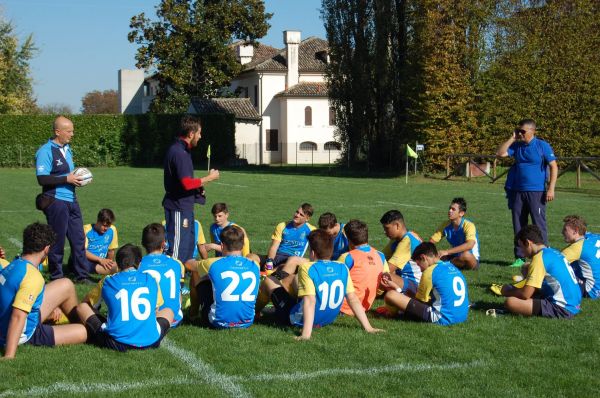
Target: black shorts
418	311
206	300
547	309
43	335
100	338
283	303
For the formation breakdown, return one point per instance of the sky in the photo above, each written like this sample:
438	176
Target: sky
83	43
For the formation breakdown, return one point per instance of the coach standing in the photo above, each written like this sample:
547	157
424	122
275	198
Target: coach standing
526	182
182	190
54	171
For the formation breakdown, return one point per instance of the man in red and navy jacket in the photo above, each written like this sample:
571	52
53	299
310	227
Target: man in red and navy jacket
182	190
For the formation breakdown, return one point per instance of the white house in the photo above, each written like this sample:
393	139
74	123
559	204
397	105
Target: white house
293	123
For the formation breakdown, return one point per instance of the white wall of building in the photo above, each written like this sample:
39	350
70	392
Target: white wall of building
246	141
297	132
271	85
131	90
310	77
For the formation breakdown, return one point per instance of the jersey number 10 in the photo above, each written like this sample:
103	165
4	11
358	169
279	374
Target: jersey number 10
331	296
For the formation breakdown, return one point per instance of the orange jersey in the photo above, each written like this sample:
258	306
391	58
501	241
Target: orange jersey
366	267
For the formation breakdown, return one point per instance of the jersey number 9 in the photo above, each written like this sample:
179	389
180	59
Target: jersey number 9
458	285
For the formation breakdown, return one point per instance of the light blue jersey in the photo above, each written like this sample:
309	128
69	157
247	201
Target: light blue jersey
21	287
329	282
132	298
340	244
465	231
235	281
444	287
54	160
293	240
168	272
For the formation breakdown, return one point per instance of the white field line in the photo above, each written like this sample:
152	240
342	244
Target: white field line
15	211
407	205
213	378
230	185
405	367
14	241
81	388
205	371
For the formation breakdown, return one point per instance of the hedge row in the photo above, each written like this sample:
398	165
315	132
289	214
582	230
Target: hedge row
112	140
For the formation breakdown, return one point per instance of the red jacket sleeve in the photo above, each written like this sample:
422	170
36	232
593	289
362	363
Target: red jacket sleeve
191	183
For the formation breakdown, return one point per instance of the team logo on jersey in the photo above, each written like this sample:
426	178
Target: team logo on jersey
156	261
41	168
58	162
185	223
330	269
131	279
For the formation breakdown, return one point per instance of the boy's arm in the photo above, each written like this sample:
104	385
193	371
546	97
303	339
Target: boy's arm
523	293
439	233
308	317
15	328
359	312
273	249
468	245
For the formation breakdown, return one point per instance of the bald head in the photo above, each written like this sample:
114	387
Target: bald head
63	130
62	123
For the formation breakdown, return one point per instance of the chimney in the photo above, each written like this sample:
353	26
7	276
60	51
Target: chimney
245	52
291	38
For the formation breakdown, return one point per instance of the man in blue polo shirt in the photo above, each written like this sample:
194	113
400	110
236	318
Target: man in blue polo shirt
54	171
526	184
182	190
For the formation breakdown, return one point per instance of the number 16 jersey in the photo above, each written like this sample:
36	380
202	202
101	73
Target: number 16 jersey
132	298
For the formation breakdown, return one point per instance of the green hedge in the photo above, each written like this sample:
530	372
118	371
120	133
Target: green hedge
111	140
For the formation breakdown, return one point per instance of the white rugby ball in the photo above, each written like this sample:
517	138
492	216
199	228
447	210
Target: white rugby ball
85	174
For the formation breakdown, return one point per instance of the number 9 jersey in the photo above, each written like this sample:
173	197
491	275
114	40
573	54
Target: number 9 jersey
329	281
447	285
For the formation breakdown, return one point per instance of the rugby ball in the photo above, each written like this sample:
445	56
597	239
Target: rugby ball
85	174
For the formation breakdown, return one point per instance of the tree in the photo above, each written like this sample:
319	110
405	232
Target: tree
55	108
100	102
16	92
188	46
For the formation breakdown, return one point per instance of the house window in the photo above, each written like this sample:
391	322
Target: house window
332	146
255	96
331	116
308	146
272	140
308	116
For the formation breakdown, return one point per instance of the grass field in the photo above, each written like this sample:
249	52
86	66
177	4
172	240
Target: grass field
504	356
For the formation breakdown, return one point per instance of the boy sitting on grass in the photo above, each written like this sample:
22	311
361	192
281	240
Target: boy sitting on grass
366	265
550	288
167	271
313	298
220	213
228	285
403	271
328	222
25	303
462	236
101	240
133	299
442	297
583	253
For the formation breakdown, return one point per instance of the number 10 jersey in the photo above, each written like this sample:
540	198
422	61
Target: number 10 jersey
329	281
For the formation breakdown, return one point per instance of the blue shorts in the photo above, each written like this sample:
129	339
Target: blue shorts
43	335
547	309
179	230
100	338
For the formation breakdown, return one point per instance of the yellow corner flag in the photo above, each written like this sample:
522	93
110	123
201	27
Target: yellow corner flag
208	151
409	152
